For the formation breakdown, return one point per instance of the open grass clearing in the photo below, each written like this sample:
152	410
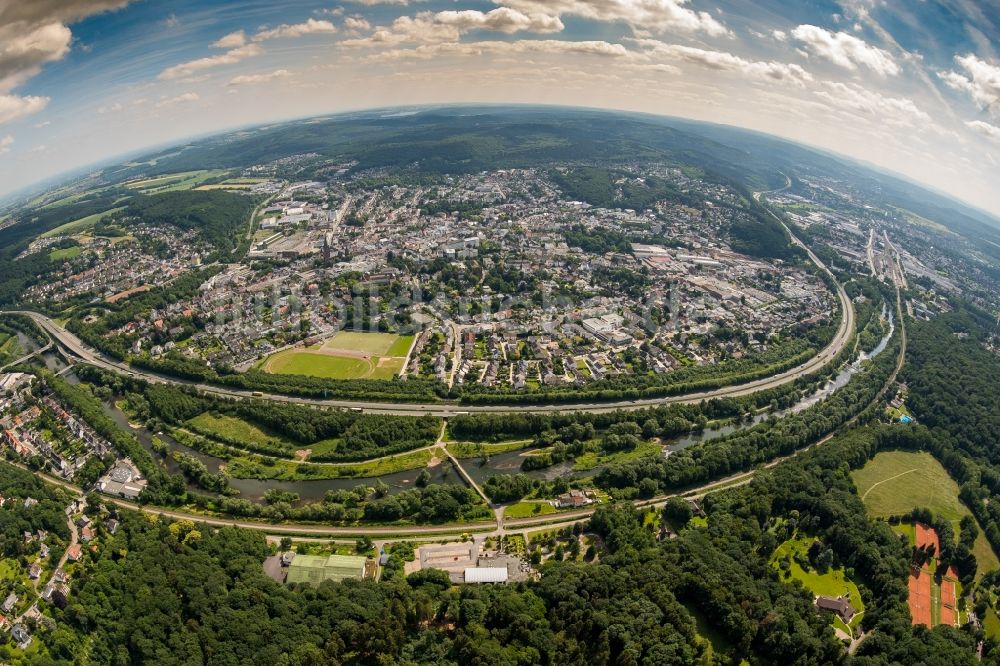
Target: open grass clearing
9	569
592	459
529	508
717	642
991	623
10	347
895	482
65	253
236	429
81	224
480	449
255	467
185	180
832	583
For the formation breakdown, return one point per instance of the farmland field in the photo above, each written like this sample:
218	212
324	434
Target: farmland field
82	224
174	181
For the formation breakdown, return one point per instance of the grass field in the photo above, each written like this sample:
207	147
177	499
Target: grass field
83	223
347	355
378	344
476	449
221	186
991	623
9	570
592	459
233	184
175	181
286	470
717	642
232	428
894	482
529	508
324	447
65	253
297	362
10	347
833	583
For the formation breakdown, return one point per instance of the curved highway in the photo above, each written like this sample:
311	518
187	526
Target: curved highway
75	347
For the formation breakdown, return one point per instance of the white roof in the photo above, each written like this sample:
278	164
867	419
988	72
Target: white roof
486	575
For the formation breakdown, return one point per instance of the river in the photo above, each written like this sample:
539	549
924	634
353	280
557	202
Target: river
478	469
253	489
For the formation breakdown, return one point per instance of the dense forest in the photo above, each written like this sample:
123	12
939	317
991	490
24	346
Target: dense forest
605	188
641	604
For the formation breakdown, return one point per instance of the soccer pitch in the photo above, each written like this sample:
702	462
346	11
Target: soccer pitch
347	355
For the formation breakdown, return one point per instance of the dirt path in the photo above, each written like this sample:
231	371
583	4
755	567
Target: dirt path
879	483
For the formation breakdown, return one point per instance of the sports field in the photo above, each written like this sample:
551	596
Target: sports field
347	355
932	602
65	253
894	482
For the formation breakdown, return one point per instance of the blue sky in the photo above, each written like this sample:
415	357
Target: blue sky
910	86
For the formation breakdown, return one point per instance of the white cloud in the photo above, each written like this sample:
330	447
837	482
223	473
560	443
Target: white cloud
981	81
845	50
779	35
266	77
723	61
372	3
13	107
640	15
894	111
991	132
179	99
172	21
502	19
448	26
230	57
23	53
110	108
35	32
357	23
231	41
519	47
44	123
5	143
310	27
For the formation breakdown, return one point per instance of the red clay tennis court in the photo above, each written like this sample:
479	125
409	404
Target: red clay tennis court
926	535
920	598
